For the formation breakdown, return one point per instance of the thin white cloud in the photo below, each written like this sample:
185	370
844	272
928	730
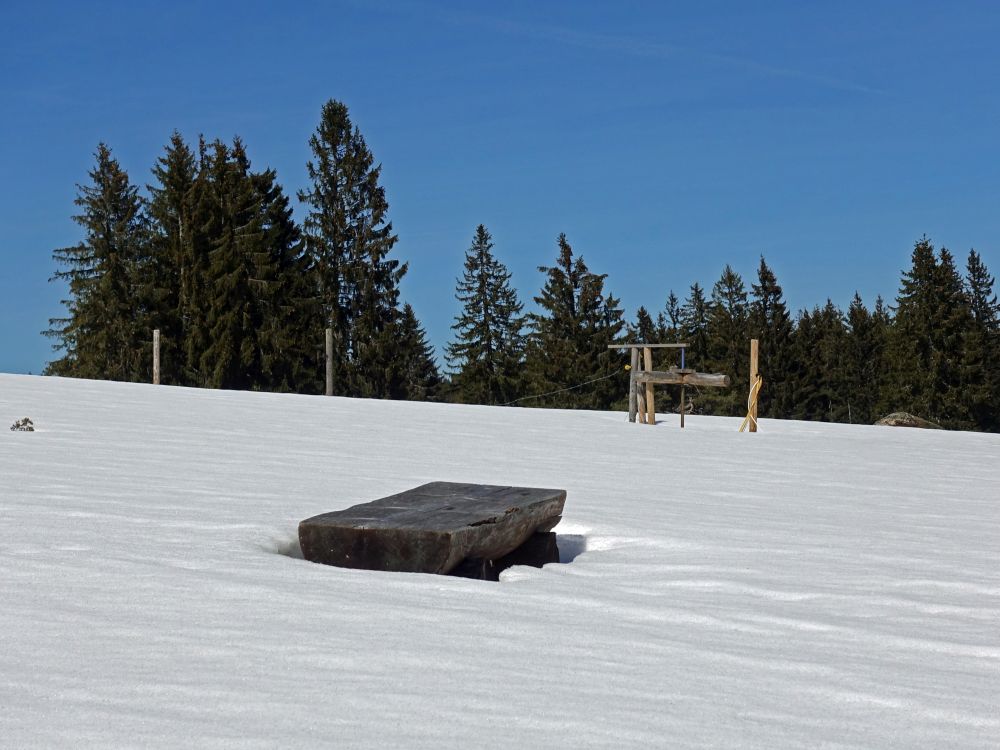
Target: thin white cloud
616	44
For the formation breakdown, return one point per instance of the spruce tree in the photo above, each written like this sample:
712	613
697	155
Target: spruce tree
105	332
644	329
232	358
289	310
728	345
415	376
488	349
258	309
817	377
864	359
956	323
348	240
694	327
927	341
771	324
170	211
982	300
671	319
981	386
195	295
569	339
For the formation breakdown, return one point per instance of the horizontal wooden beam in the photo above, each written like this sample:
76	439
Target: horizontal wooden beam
683	377
647	346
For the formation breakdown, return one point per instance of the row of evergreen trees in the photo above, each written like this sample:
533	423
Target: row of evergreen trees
936	353
241	294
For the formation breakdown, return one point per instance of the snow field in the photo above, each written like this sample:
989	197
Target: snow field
812	585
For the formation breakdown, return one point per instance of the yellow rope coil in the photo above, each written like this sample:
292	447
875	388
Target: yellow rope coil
751	403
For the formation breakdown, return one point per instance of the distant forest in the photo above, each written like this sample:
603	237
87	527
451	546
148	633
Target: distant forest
242	294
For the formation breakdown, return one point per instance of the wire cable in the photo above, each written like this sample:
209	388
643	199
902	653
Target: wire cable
560	390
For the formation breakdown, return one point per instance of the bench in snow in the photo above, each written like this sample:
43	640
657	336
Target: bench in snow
435	528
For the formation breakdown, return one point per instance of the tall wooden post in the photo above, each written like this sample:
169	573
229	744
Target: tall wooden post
683	394
329	361
754	375
156	356
647	365
633	387
640	392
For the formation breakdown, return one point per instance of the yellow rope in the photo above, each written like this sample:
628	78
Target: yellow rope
751	402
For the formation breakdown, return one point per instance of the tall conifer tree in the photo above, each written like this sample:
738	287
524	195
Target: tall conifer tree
104	334
771	324
927	341
864	359
290	312
671	319
170	210
195	294
694	327
569	339
981	388
728	321
488	349
415	377
348	240
258	305
644	329
818	381
232	358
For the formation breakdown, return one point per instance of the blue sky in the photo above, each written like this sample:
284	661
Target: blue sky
665	139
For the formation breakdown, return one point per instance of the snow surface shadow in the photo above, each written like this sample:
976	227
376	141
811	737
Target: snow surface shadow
570	546
287	547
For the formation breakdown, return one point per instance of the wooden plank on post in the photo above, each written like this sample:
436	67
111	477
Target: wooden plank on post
647	366
329	361
754	374
156	356
633	386
644	346
685	377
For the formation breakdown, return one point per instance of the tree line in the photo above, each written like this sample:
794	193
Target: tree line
241	293
934	353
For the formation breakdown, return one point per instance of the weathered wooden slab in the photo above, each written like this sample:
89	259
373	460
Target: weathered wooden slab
432	528
683	377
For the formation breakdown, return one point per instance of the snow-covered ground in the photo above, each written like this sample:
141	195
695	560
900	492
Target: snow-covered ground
811	585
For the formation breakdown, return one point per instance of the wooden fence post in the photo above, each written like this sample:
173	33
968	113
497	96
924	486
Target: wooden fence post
633	396
640	393
754	374
329	361
647	365
156	356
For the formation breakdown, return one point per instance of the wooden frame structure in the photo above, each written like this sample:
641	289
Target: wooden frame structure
640	399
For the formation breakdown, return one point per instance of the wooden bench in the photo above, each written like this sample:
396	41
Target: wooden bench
434	528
